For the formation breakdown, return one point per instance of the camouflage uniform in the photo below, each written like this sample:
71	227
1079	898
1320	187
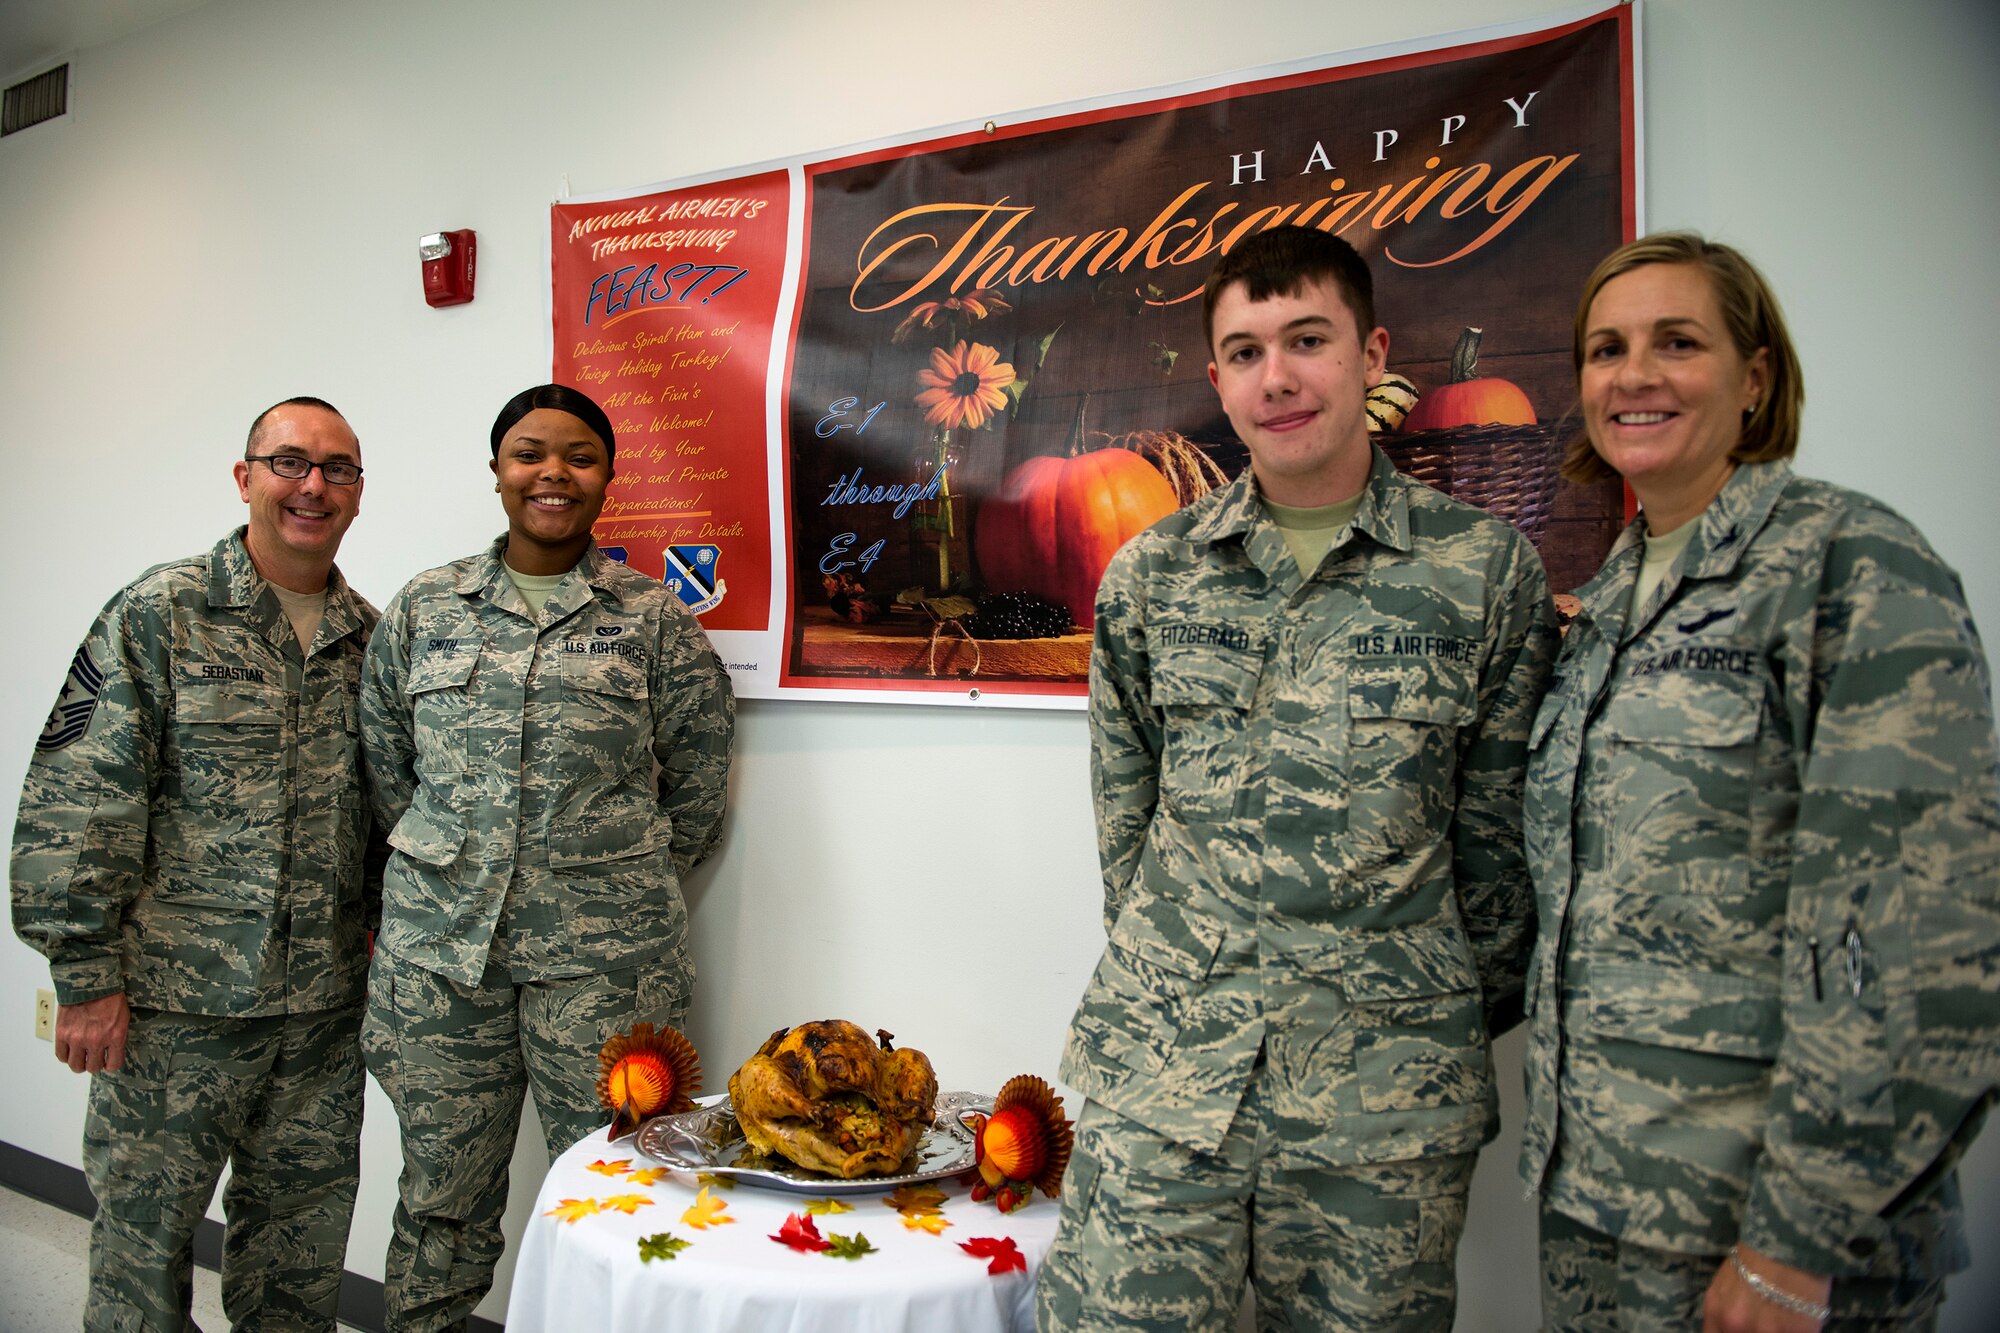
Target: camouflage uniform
192	834
1308	815
1762	821
532	905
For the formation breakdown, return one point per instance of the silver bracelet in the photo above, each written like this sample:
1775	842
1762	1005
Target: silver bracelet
1776	1294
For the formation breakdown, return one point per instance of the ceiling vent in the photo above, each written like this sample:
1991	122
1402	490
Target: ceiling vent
32	101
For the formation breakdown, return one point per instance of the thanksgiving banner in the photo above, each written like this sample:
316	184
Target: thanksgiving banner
992	372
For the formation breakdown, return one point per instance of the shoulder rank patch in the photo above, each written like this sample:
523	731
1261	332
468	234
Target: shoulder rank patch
70	718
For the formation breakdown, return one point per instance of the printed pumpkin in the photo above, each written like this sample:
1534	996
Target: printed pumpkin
1470	399
1056	522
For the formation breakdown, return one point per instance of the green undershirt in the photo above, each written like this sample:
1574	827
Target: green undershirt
1662	550
534	588
1310	533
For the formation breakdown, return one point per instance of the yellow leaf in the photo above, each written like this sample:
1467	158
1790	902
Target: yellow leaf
934	1223
604	1168
707	1211
627	1203
720	1182
827	1207
569	1210
646	1175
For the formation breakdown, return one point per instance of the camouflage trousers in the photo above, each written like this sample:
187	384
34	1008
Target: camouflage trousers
1155	1236
279	1100
1594	1283
457	1062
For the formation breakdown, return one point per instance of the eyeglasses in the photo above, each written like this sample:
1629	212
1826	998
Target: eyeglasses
294	467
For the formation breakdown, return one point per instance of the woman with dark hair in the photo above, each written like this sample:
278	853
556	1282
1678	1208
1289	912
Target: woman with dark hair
1763	824
547	735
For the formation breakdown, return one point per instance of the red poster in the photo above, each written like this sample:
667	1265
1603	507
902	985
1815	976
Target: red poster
664	311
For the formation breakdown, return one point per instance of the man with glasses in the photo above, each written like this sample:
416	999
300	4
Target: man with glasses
190	857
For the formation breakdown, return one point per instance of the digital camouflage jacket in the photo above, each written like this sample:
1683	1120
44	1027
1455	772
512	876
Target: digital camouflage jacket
1763	824
546	783
1308	810
192	830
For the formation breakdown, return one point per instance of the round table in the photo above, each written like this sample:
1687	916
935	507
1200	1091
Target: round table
580	1264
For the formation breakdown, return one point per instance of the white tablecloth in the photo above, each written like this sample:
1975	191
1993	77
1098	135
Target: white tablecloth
732	1278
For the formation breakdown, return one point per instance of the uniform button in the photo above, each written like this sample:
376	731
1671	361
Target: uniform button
1748	1015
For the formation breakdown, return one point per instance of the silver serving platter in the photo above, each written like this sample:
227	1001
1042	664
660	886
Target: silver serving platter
708	1139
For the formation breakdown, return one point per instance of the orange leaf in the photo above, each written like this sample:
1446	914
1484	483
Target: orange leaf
707	1211
627	1203
646	1175
615	1168
934	1223
569	1210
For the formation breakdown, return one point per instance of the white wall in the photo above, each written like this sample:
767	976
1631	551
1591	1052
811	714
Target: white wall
229	216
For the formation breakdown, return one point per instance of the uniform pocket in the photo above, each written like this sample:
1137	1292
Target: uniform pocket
1687	744
607	726
1680	1010
1419	1033
1206	703
429	832
441	710
1403	725
229	734
1157	957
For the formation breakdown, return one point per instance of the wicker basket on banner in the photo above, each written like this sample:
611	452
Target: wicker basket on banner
1509	471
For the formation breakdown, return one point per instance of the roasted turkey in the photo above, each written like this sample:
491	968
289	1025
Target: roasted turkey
830	1098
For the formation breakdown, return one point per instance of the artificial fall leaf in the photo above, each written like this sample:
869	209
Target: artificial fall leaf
662	1246
935	1223
1005	1255
646	1175
827	1207
627	1204
847	1247
615	1168
916	1199
706	1211
801	1234
714	1181
569	1210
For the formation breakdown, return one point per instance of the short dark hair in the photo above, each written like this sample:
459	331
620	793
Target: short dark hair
560	398
303	400
1284	261
1753	319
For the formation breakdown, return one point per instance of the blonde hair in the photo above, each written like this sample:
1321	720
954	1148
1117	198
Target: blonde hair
1753	319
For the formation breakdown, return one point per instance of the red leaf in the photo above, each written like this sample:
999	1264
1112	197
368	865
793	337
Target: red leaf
1002	1250
800	1233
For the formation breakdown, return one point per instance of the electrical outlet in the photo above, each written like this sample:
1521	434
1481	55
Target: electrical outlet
45	1014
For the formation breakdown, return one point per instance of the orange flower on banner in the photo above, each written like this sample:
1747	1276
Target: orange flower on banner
627	1204
569	1210
965	386
604	1168
707	1211
935	1223
974	305
1005	1255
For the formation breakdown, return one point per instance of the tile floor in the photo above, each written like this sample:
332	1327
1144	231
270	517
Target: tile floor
43	1274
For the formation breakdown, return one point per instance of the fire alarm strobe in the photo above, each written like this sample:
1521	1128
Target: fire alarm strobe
447	258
